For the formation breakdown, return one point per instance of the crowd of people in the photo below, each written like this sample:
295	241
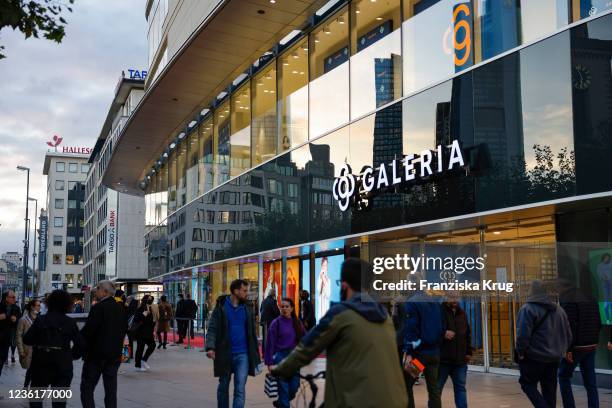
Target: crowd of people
430	333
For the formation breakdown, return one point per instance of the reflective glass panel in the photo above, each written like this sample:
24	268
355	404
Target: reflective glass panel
221	143
172	162
181	189
293	96
240	139
264	115
193	160
206	167
376	64
329	75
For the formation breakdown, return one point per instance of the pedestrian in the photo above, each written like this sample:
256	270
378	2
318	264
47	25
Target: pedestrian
144	334
78	307
284	334
456	350
56	341
181	318
267	313
43	305
154	312
131	307
584	319
25	352
359	337
9	315
163	324
424	330
307	314
543	336
104	332
191	312
232	343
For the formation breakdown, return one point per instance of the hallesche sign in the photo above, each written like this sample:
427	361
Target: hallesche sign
349	188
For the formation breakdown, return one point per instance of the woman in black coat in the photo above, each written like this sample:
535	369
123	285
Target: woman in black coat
144	333
51	336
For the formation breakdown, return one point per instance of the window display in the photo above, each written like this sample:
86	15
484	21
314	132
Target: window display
327	272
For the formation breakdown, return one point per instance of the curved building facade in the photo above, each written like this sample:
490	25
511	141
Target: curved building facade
363	126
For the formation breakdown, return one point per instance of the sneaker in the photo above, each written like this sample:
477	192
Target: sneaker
140	369
146	365
159	346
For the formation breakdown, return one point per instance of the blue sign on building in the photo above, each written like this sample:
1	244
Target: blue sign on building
137	74
42	243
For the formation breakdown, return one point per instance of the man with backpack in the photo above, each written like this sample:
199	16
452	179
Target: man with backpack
543	336
104	333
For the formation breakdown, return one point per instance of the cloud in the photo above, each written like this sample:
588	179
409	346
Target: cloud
63	89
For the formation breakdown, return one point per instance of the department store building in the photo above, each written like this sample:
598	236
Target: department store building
275	139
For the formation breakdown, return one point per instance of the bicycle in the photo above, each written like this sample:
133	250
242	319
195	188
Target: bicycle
309	382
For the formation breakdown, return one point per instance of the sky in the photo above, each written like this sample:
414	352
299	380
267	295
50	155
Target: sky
62	89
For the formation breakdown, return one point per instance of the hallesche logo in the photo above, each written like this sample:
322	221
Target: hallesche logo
349	189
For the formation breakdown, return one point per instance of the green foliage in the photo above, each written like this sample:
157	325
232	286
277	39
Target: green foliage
35	18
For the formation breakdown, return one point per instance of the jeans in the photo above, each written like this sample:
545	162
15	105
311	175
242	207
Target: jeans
286	388
240	369
92	370
586	360
458	374
432	364
534	372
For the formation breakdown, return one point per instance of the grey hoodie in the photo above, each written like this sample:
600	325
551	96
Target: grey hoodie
551	340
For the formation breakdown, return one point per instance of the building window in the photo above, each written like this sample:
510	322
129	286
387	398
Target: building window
292	190
293	96
72	185
56	277
73	167
57	240
59	184
70	240
79	280
58	221
221	142
263	136
70	280
72	204
85	168
69	260
57	259
59	203
60	167
240	139
329	70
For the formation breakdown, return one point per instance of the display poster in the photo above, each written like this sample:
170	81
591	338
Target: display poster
293	279
306	276
600	265
327	274
272	279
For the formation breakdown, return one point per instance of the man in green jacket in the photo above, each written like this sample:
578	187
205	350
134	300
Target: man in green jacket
362	368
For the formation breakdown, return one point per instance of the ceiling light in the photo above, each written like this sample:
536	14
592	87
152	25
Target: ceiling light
181	135
285	63
294	72
326	30
304	47
316	38
268	76
192	123
439	240
357	11
372	1
340	20
273	1
301	72
496	232
172	145
295	55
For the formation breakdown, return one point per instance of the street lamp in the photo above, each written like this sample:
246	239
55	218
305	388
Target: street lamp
34	250
24	278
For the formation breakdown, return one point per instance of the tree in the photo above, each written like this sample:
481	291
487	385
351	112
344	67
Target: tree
34	18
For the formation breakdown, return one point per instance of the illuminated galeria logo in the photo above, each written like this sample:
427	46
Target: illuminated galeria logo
55	141
344	187
428	165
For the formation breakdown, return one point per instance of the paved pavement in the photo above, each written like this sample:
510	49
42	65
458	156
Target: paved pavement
183	378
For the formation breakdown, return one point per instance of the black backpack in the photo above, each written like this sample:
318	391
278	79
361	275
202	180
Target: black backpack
51	338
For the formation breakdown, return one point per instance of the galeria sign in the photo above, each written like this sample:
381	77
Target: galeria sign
350	189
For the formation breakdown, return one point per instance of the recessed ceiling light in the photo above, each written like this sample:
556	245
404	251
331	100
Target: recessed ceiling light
496	232
378	18
326	30
273	1
340	20
439	240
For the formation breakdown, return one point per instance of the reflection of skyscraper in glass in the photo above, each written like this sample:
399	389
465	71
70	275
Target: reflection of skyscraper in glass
388	142
500	26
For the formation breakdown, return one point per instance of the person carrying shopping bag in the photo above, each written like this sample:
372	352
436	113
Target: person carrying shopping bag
284	334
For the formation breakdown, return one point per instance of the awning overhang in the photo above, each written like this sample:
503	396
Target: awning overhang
233	36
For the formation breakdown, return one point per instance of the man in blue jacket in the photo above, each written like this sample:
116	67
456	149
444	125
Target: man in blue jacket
423	335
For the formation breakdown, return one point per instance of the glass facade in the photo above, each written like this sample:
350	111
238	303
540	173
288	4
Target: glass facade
259	169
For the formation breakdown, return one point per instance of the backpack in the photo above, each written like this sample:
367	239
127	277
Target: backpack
51	338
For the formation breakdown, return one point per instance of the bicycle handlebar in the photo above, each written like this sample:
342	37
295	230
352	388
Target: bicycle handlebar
308	377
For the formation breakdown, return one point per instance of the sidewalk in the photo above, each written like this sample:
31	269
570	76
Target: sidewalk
183	378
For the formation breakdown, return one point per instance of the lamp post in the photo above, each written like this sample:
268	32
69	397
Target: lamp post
24	278
34	254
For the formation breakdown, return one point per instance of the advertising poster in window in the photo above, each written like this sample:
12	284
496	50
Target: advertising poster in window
293	279
111	232
600	265
306	276
327	276
272	279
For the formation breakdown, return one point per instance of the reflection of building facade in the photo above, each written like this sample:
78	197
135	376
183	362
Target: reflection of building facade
114	221
218	212
66	173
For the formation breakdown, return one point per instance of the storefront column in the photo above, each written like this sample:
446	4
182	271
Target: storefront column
486	358
284	274
260	280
